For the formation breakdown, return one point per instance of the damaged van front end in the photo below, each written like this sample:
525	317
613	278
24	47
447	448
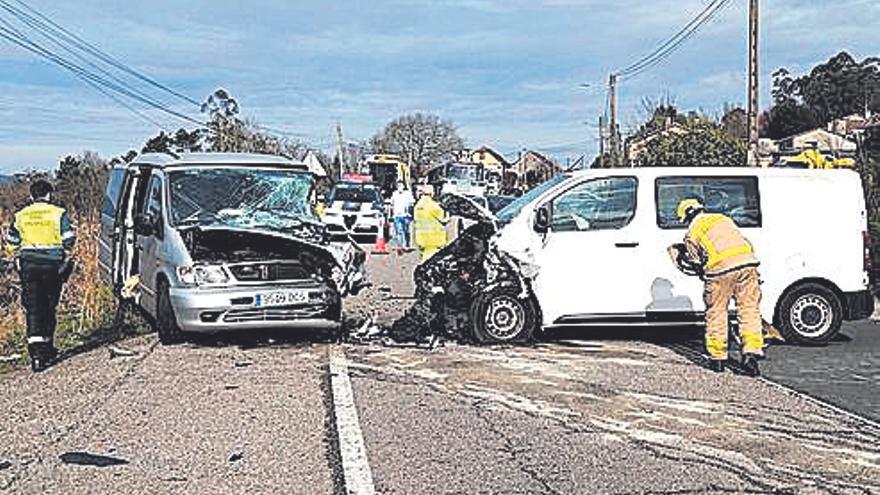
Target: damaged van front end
240	279
471	290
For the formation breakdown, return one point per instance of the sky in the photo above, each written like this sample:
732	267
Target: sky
508	73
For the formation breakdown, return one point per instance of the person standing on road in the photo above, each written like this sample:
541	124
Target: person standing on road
729	268
402	202
40	236
430	224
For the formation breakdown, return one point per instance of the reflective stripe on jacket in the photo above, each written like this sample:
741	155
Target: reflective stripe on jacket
718	244
40	232
428	227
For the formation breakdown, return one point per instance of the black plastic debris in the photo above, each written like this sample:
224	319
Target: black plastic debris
236	456
243	363
5	465
87	459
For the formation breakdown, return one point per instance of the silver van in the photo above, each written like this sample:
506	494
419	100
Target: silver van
207	242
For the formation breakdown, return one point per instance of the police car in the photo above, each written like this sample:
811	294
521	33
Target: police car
355	209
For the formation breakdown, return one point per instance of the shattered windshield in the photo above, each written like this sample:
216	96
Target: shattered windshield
510	211
269	199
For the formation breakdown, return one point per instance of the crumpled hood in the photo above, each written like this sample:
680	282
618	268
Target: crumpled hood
456	204
230	244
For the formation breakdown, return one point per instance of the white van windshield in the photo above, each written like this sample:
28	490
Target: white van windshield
512	210
271	199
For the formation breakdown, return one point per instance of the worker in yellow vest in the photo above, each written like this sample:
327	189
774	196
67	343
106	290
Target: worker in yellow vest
40	236
729	268
429	226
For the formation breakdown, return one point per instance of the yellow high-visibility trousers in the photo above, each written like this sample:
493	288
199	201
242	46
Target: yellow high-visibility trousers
743	286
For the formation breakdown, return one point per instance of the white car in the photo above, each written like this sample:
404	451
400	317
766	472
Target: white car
355	209
594	245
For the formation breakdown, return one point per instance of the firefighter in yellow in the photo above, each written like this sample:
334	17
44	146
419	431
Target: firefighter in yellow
40	236
429	226
729	267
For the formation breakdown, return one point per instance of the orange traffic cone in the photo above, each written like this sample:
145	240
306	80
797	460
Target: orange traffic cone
380	247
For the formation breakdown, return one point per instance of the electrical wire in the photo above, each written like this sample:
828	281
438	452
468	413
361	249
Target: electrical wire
673	48
28	44
95	51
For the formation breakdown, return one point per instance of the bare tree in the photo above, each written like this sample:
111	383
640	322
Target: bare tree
421	139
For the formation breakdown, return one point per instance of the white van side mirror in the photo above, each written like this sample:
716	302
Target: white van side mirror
542	220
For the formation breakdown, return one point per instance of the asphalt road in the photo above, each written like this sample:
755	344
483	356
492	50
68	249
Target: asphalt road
262	414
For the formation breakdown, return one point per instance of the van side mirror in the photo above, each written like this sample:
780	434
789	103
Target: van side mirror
542	220
145	224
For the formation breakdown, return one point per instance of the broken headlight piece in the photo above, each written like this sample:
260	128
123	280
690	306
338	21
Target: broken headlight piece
202	275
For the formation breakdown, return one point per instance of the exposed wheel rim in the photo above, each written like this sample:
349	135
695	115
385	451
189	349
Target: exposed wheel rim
811	315
505	318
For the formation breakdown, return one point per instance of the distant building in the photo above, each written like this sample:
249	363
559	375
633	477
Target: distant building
533	168
826	141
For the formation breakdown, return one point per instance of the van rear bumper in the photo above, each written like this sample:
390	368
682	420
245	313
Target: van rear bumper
858	305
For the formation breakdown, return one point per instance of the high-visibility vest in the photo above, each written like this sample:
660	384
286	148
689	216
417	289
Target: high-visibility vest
428	228
41	231
721	245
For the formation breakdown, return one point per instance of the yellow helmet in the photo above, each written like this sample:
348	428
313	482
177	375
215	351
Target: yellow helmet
686	206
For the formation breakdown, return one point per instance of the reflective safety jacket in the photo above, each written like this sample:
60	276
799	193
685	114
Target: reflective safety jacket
428	227
40	232
716	242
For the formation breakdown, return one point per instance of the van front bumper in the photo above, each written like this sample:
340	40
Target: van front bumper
858	305
209	310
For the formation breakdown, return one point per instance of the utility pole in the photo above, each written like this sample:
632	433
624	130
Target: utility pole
339	146
601	141
753	83
612	88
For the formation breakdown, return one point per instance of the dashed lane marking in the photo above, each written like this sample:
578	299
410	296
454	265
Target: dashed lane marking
355	466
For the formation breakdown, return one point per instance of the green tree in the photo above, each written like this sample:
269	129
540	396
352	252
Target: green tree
705	144
80	182
424	139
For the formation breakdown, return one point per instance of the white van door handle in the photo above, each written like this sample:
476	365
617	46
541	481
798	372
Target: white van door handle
626	244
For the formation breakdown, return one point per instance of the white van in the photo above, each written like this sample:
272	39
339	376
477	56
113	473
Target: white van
594	244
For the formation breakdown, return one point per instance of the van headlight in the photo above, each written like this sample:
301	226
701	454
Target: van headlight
202	275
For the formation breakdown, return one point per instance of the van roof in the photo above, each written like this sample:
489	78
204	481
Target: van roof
163	160
652	172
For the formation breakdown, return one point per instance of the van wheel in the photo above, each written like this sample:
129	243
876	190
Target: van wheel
166	323
810	314
502	316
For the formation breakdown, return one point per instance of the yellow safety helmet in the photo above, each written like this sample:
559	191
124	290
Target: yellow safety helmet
686	206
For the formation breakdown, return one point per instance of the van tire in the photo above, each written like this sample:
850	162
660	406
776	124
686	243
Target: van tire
810	314
503	316
166	323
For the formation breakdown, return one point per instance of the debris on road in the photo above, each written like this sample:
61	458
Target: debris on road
11	358
231	386
87	459
236	456
5	465
244	363
119	351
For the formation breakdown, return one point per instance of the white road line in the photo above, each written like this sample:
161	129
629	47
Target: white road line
355	467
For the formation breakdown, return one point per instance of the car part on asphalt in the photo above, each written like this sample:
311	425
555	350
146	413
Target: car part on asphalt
87	459
470	290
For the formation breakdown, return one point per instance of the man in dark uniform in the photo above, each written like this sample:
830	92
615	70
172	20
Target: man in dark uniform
40	236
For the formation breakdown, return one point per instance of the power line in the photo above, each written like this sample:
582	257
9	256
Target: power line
28	44
97	52
102	90
638	63
678	43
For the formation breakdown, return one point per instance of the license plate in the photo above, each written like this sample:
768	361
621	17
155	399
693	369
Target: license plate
280	298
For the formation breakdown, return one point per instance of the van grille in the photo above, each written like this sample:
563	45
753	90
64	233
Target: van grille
259	272
274	314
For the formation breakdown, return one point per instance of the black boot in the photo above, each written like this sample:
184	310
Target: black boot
750	365
717	365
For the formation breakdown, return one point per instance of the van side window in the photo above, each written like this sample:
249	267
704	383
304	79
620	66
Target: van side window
601	204
154	199
736	197
111	195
